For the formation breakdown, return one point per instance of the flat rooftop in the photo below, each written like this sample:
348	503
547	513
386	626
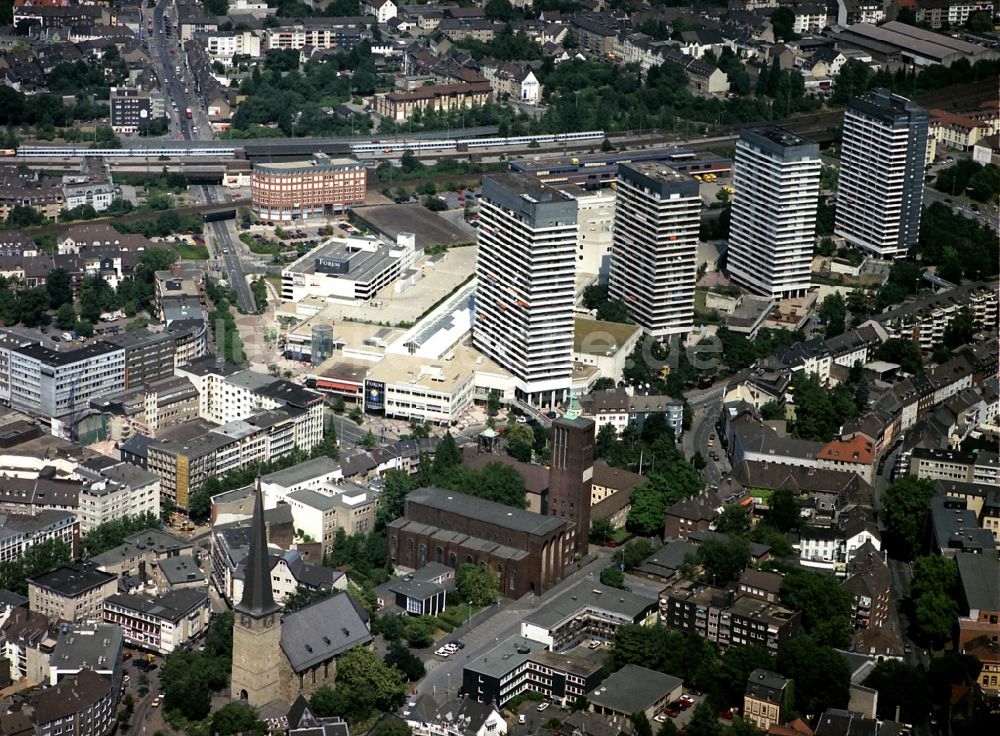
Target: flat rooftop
505	657
429	228
596	337
359	258
589	595
439	376
633	689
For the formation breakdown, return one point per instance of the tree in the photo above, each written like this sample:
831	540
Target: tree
22	215
33	305
783	22
400	657
447	455
66	317
833	311
59	287
902	351
361	670
822	677
601	531
960	330
613	577
477	585
640	724
722	561
236	718
420	632
37	560
819	411
734	520
904	507
704	721
111	534
784	511
900	685
390	726
772	411
934	590
200	504
303	597
520	440
825	606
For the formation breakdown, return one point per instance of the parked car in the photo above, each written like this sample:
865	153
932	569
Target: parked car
542	706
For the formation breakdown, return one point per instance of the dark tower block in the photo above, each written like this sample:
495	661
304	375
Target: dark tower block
256	673
571	472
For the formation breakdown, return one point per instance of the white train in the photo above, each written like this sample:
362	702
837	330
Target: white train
387	148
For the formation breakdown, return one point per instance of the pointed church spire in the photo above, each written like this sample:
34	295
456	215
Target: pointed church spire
258	600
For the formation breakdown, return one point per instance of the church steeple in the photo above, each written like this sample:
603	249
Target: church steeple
258	600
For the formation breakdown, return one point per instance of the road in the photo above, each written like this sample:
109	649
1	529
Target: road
705	407
227	249
167	54
445	676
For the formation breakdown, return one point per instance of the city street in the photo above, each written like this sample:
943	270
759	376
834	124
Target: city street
226	248
705	407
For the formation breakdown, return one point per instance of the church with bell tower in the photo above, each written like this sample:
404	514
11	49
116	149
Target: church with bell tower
256	677
278	656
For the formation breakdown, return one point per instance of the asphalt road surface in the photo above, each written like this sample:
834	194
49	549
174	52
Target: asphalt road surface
227	251
705	407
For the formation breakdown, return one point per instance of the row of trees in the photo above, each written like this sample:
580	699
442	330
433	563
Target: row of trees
38	559
113	533
494	482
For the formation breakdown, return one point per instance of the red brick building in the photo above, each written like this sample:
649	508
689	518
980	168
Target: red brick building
528	551
305	190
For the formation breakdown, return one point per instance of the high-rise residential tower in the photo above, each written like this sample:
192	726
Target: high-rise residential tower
571	472
881	184
773	228
654	246
525	284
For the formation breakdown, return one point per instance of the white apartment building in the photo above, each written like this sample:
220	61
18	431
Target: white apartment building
595	215
163	623
654	246
881	185
771	238
525	284
225	396
8	341
383	10
49	383
222	46
114	493
809	18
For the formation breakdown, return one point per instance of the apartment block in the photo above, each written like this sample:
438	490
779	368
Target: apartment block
55	384
161	624
657	216
776	175
519	664
881	186
719	616
71	593
319	188
525	284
